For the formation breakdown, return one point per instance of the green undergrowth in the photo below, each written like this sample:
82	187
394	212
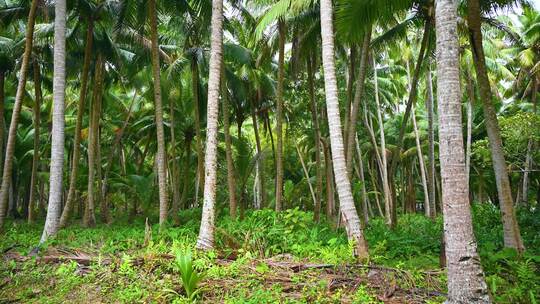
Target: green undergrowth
129	265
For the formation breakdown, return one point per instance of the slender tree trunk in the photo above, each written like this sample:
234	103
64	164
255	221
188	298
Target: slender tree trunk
90	214
374	186
112	153
66	213
530	149
58	122
330	204
206	232
231	181
465	276
412	96
389	205
306	173
198	129
351	132
365	202
260	157
422	165
105	213
175	174
12	135
431	142
35	157
185	189
350	86
160	157
512	236
348	210
317	139
279	116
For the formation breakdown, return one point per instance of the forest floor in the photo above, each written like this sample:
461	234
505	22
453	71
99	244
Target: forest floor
266	258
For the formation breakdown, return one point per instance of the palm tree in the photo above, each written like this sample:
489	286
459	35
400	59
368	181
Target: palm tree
35	157
348	210
465	276
512	236
206	232
279	115
58	123
78	124
160	157
231	181
12	135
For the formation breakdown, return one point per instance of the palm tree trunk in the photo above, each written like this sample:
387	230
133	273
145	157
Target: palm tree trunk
389	205
175	174
330	204
2	121
465	276
431	142
470	92
350	85
66	213
12	135
412	95
317	139
58	122
351	132
512	236
89	214
260	165
198	133
530	149
306	173
348	210
115	147
206	232
161	161
231	181
279	116
185	188
35	158
365	202
422	165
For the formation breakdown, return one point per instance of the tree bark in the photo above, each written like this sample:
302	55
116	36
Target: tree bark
66	213
19	97
231	181
470	91
465	276
279	116
205	240
58	123
37	126
512	236
348	210
161	158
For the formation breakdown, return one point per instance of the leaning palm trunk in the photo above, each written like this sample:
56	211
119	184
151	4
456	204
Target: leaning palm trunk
35	157
465	276
89	212
348	210
231	181
351	132
279	116
388	204
58	122
78	126
512	236
206	232
422	165
160	156
12	135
